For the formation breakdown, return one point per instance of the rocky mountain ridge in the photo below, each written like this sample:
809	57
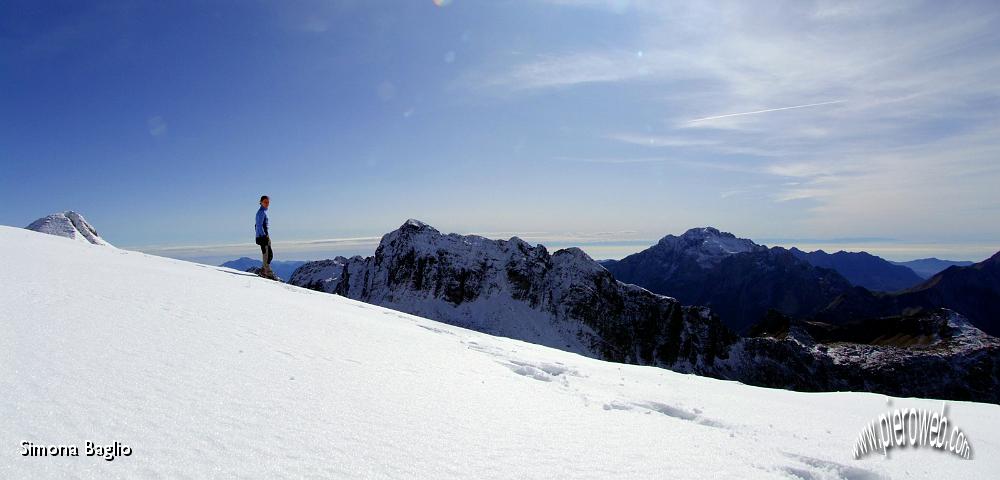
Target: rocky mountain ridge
568	301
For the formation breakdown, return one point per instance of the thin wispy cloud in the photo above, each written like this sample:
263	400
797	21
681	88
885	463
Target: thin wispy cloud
551	71
661	140
614	160
756	112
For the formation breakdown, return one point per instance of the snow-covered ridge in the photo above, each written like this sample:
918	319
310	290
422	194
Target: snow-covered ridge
68	224
514	289
210	372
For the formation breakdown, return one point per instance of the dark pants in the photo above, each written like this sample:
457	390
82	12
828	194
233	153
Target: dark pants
265	250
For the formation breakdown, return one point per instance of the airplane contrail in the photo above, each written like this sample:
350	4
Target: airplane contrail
765	111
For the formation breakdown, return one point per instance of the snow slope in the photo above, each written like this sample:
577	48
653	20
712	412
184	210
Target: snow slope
207	372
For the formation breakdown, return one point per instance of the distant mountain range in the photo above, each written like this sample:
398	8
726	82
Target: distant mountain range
741	281
973	291
863	269
568	301
282	268
928	267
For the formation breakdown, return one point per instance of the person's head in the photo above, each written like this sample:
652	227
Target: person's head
264	201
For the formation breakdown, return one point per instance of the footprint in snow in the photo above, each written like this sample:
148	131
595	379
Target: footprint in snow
436	330
668	410
545	372
811	468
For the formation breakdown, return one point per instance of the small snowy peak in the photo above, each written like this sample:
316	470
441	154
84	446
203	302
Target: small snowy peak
578	260
712	239
702	232
519	243
412	223
421	238
575	252
412	231
709	245
68	224
473	252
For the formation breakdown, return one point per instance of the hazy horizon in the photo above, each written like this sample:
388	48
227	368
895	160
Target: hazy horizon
610	247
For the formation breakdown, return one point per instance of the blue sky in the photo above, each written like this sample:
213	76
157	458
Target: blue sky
600	123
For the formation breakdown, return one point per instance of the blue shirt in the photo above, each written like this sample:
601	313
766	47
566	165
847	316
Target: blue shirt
261	222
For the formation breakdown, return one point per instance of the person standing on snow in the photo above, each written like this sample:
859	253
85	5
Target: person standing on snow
263	237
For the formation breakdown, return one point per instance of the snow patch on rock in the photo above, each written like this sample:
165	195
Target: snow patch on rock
68	224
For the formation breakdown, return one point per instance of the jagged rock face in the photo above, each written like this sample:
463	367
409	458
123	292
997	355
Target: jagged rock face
511	288
738	279
933	353
566	300
68	224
